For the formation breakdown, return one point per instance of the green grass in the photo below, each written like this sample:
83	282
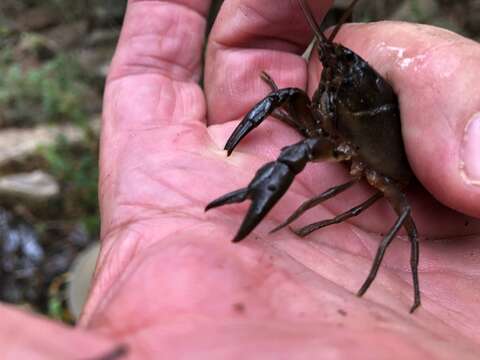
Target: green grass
50	92
76	168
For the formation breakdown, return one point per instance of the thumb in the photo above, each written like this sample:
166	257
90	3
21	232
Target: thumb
436	75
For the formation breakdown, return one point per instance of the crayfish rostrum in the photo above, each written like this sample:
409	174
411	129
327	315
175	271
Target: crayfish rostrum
352	118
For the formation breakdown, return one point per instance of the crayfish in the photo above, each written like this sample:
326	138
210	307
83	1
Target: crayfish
353	118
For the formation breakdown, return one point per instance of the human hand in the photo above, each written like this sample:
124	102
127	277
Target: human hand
171	284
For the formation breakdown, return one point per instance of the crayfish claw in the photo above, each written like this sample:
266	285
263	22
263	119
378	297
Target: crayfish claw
251	220
254	118
239	133
230	198
269	184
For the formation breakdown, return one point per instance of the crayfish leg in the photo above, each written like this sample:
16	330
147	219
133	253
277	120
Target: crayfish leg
328	194
355	211
399	202
280	113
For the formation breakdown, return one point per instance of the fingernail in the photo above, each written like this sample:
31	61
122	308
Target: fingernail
470	153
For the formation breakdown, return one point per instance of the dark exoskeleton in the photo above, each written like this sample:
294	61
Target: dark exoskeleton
352	118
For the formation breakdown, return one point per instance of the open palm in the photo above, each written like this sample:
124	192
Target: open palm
170	282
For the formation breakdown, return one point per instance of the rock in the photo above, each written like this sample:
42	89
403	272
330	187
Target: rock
20	260
34	45
67	35
37	18
102	37
17	144
81	275
33	186
96	60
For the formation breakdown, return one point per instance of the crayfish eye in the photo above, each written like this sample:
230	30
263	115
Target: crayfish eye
349	56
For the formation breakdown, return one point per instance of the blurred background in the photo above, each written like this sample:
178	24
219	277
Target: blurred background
54	56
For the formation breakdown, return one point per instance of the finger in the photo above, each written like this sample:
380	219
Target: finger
156	65
436	75
248	37
151	95
161	37
44	339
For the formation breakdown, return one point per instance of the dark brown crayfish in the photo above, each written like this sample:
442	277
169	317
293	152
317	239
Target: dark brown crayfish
352	118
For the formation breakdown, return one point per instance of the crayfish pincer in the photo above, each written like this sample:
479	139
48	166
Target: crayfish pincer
353	118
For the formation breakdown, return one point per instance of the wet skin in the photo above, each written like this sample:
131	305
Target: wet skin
170	282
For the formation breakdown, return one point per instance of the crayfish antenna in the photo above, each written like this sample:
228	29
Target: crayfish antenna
307	11
346	15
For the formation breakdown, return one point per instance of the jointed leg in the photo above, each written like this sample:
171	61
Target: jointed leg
402	208
414	260
268	79
387	240
282	114
295	113
400	204
286	118
316	201
357	210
